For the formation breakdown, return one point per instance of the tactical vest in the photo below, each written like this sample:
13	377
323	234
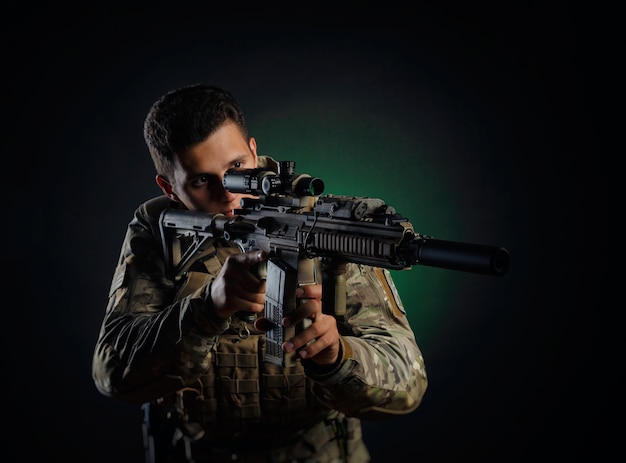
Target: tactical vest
242	395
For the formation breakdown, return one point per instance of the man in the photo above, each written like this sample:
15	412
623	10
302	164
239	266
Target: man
188	351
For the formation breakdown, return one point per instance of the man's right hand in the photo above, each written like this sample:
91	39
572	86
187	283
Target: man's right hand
237	288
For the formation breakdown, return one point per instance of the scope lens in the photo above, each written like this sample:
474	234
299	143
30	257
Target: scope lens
309	186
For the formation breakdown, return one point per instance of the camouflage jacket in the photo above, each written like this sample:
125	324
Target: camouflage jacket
150	348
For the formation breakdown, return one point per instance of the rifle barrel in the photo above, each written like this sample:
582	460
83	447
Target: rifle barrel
468	257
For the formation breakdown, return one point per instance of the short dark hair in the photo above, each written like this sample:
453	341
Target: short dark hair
186	116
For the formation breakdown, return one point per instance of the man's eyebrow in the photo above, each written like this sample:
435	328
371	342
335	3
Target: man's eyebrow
242	157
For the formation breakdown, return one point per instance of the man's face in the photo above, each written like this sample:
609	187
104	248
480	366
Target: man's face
197	179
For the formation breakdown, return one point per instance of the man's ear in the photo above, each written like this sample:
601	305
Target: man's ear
166	187
252	145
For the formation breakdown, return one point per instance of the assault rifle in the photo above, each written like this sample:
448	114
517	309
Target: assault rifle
307	234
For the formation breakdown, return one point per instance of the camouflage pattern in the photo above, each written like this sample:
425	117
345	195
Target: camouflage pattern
151	349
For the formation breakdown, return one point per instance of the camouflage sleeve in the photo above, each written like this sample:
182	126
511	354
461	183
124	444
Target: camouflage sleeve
382	372
149	345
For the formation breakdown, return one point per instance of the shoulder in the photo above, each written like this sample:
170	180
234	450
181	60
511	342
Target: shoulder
267	162
147	214
152	208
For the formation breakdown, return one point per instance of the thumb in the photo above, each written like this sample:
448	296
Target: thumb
261	256
256	263
249	258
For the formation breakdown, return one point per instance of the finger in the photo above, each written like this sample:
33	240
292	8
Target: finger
324	347
310	309
246	259
246	289
325	325
309	292
253	257
248	304
241	268
316	346
264	324
255	261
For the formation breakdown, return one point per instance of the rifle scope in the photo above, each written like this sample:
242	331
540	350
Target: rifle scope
261	182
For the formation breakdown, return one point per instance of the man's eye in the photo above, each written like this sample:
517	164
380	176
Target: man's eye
237	165
202	180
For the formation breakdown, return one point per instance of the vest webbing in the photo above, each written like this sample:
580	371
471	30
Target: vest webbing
241	391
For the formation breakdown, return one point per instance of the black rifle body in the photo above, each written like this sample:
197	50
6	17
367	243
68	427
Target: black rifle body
306	234
309	235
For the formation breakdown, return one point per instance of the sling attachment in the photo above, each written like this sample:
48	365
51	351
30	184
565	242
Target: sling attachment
239	323
245	332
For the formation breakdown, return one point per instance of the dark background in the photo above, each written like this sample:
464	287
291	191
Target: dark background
481	125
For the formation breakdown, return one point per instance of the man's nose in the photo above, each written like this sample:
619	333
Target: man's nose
223	192
228	195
